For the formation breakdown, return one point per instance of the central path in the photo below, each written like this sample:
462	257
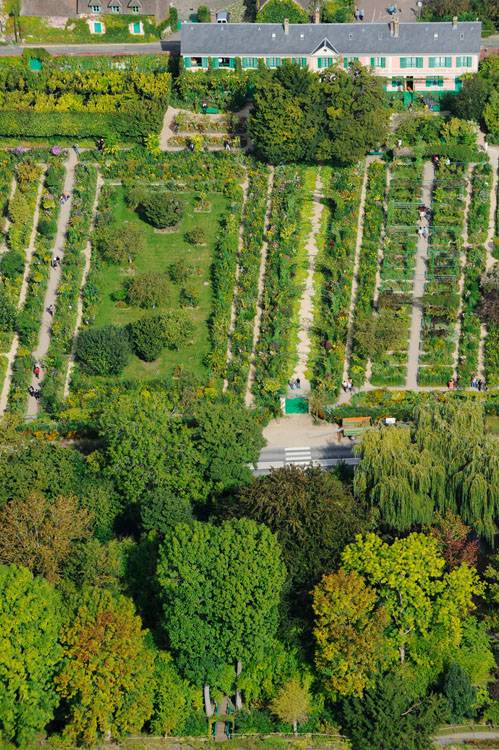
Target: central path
306	314
54	278
419	285
490	260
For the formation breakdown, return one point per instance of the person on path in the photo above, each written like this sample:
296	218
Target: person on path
31	391
344	385
361	14
357	14
50	309
37	371
298	383
349	385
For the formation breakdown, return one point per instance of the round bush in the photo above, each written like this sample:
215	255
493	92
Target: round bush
189	296
148	290
148	337
119	243
103	351
196	236
161	210
47	228
11	264
180	271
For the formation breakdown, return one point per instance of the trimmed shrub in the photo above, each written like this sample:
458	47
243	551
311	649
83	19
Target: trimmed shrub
103	351
161	210
203	14
196	236
189	296
180	271
148	337
119	244
148	290
7	314
52	181
11	264
47	228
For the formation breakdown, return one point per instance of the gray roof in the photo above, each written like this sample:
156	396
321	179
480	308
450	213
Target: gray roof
64	8
255	39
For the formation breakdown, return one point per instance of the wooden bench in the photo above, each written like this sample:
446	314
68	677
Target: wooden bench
354	426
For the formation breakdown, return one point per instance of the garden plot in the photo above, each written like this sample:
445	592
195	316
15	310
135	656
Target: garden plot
389	366
185	129
167	291
441	294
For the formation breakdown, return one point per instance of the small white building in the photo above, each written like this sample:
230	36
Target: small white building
423	57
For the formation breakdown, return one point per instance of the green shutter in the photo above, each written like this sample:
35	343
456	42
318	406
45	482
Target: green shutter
204	62
419	62
304	62
383	62
214	62
346	62
432	62
187	62
403	61
459	62
373	62
448	62
232	62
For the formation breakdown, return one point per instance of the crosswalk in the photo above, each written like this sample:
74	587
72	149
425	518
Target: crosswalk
297	456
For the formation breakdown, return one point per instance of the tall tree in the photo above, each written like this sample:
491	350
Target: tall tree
312	513
293	702
349	632
454	540
422	602
446	462
107	677
173	697
29	653
39	533
221	587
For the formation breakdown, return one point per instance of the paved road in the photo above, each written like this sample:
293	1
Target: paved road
325	456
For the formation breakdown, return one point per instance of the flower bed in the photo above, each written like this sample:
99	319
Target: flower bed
247	289
273	355
368	263
64	323
205	141
6	175
29	320
441	301
223	279
335	269
476	255
185	122
397	266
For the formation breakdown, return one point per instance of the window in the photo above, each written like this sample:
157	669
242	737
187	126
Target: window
226	62
115	9
464	62
411	62
441	62
347	61
301	61
273	62
95	9
434	83
397	83
135	9
378	62
250	62
325	62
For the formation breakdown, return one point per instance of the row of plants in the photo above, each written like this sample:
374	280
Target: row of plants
275	352
389	362
247	288
334	278
6	177
374	215
29	319
185	122
56	361
223	280
227	89
491	347
476	257
199	142
441	300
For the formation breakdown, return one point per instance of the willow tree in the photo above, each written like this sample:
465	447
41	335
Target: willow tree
444	462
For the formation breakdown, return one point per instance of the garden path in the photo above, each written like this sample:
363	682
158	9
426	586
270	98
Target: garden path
248	399
377	281
244	186
87	252
306	313
493	152
54	278
11	355
6	223
460	287
419	284
355	277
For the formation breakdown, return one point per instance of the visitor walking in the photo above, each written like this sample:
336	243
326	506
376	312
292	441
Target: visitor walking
50	309
361	14
357	14
37	371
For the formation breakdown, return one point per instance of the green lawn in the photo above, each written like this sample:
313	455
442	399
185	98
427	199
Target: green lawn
161	251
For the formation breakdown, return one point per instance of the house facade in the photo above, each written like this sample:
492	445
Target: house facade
78	8
419	57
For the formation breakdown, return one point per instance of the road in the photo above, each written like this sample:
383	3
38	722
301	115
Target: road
325	456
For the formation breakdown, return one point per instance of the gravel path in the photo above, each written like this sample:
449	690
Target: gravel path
419	284
494	158
306	314
53	282
464	251
79	310
4	396
248	399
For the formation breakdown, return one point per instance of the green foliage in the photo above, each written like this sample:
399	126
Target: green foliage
173	698
161	210
189	296
8	314
275	11
293	702
118	244
151	334
106	681
203	14
196	236
30	654
228	610
180	271
459	692
11	264
103	351
148	290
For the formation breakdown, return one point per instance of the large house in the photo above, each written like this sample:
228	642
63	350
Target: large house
74	8
411	56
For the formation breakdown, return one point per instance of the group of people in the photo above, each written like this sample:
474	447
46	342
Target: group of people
478	383
436	158
423	232
347	386
34	392
56	261
295	383
63	198
359	14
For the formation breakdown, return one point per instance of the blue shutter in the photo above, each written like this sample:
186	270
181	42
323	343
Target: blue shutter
187	62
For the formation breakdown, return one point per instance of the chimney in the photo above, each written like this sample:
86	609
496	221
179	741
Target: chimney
286	26
317	15
213	16
454	22
394	28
